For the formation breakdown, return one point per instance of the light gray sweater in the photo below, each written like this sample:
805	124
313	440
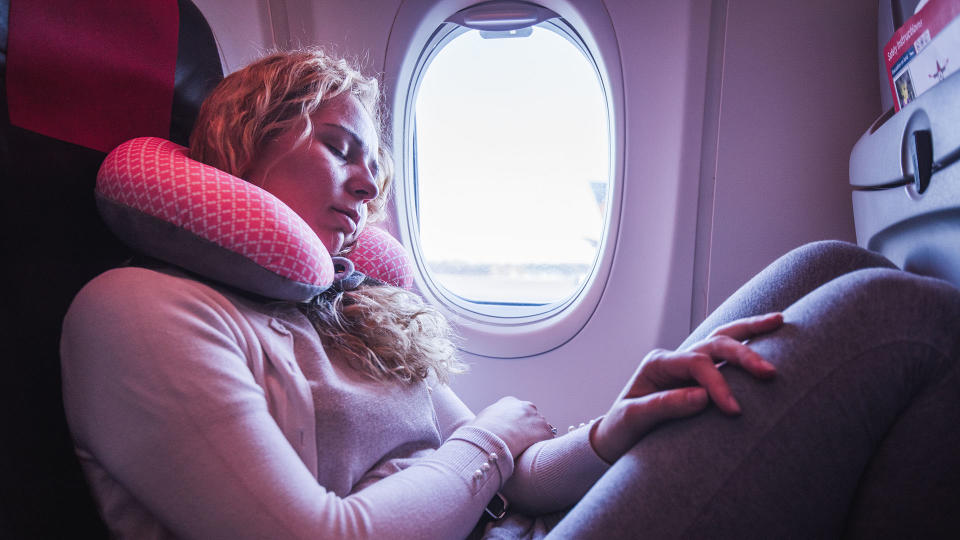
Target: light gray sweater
198	413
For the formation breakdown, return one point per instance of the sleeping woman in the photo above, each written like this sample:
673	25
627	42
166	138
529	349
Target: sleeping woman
820	400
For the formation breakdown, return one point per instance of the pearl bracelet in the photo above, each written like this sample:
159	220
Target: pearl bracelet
485	468
582	424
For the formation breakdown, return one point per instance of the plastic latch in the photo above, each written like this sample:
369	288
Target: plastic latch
921	154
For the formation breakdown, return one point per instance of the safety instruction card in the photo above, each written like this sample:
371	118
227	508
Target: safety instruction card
924	51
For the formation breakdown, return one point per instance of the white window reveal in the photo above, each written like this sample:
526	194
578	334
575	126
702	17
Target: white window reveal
512	161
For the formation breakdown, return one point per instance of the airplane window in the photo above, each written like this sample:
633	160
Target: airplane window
512	153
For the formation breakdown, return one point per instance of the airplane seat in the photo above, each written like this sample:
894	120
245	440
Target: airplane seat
906	197
906	185
76	79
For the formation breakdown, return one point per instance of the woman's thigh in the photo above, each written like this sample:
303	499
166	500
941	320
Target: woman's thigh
863	361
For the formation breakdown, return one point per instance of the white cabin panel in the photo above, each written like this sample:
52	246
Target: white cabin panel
242	29
798	87
663	54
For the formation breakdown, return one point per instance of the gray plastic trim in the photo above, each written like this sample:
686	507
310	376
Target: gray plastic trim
918	232
502	16
880	156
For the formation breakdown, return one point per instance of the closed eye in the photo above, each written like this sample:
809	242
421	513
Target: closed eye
356	146
342	155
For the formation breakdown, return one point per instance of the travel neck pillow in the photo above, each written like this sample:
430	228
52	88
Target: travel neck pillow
163	204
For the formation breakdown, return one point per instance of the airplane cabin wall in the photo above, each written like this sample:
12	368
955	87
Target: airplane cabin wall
797	87
242	29
355	30
739	118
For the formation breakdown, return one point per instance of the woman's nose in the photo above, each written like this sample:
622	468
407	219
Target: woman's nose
363	184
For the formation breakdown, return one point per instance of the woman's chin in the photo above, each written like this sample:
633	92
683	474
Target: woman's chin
334	242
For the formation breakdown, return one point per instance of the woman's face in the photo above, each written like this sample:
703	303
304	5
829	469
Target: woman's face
328	179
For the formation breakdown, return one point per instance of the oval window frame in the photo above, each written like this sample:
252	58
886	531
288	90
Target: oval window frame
420	29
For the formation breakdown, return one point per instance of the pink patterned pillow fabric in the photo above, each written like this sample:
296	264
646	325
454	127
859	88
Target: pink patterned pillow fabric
164	204
379	255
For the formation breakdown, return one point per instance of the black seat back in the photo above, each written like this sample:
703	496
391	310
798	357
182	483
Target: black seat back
53	243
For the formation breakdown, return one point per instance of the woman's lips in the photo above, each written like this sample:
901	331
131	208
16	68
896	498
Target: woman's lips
350	218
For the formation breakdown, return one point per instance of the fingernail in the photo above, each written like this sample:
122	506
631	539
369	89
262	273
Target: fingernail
762	363
696	396
734	406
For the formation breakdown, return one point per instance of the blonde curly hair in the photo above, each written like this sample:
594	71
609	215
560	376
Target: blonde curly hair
382	331
276	94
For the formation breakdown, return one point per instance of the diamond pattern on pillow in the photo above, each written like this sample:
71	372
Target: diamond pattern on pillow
156	178
148	187
379	255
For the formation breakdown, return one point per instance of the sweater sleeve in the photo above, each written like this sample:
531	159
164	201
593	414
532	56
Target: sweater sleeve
549	476
554	474
157	389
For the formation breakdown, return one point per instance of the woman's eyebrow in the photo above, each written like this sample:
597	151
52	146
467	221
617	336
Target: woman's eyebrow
374	166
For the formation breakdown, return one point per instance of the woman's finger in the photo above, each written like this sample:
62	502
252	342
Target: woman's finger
631	419
749	327
666	369
723	348
646	412
680	367
710	378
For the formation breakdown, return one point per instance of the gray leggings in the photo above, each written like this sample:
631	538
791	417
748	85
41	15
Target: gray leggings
857	436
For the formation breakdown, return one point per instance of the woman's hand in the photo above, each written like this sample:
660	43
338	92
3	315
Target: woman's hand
517	422
654	393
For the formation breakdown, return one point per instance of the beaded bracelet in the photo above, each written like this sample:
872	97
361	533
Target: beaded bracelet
582	424
492	458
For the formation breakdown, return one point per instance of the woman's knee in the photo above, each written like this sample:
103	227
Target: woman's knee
802	270
881	304
896	289
841	256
